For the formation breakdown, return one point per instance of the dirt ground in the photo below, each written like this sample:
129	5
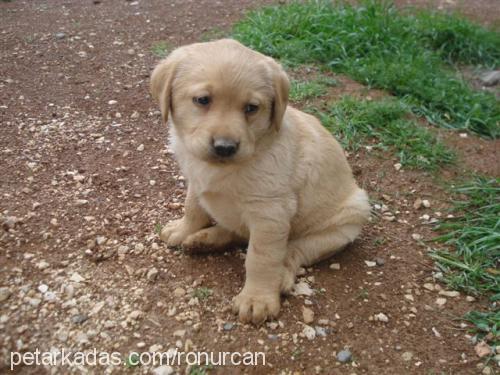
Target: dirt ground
86	177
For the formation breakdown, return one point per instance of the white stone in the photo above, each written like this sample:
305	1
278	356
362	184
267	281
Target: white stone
163	370
302	289
76	277
416	236
449	293
441	301
309	332
381	317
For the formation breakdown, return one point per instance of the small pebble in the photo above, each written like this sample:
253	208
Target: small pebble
309	332
163	370
179	292
302	289
307	315
407	356
416	236
320	331
4	294
441	301
381	317
483	349
449	293
379	261
79	318
344	356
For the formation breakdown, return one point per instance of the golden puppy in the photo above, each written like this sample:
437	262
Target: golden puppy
263	171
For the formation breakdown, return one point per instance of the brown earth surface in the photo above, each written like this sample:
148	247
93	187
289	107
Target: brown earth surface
86	174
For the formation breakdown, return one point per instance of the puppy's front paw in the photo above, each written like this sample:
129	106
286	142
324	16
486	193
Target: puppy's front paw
175	232
256	307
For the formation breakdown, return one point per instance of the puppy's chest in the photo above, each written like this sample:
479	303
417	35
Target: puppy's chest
225	210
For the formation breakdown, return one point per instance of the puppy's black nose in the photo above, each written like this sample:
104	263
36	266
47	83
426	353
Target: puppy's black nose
224	147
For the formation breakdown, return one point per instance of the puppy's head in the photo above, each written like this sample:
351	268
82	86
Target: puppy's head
223	98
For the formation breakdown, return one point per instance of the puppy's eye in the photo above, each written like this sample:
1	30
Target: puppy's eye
251	108
202	100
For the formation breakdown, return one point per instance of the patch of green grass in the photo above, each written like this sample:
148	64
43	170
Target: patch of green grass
407	55
474	235
389	123
304	90
297	353
202	293
161	48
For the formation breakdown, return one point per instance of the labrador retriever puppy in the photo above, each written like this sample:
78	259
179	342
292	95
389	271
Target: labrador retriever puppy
262	171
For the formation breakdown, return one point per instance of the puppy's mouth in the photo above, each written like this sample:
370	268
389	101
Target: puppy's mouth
222	159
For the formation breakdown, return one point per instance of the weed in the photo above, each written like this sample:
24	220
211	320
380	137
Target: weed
202	293
157	228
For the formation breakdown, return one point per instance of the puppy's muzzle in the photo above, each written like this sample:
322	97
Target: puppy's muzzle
224	147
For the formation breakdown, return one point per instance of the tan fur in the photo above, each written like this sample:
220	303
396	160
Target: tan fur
288	190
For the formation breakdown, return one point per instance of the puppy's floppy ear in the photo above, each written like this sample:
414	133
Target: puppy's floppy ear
281	86
161	81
